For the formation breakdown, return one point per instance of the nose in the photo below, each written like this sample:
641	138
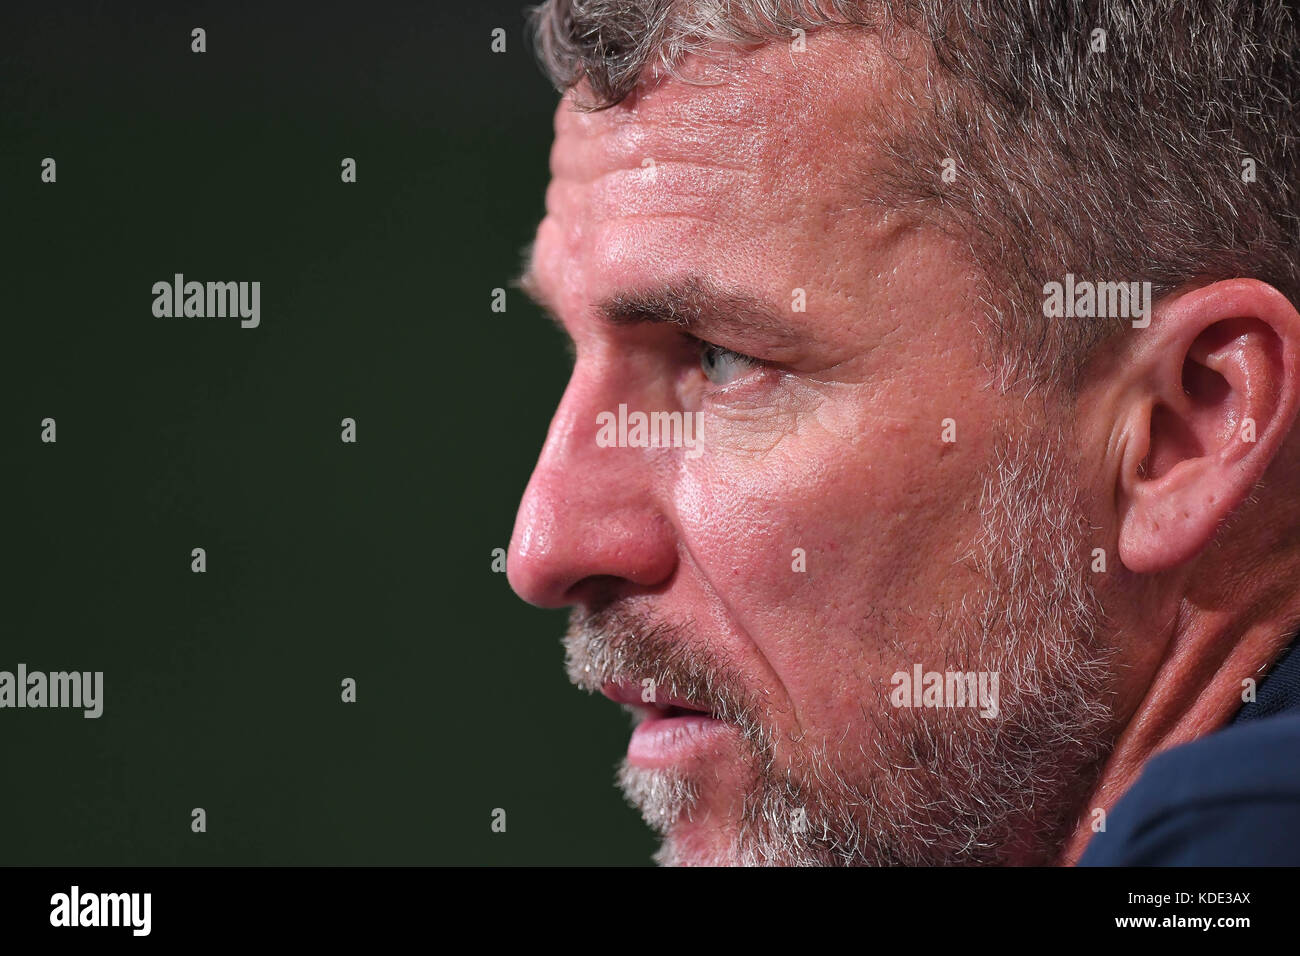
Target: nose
590	520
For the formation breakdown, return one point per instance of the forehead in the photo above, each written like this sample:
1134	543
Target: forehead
755	177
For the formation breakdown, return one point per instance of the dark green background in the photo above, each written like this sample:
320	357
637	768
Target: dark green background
325	560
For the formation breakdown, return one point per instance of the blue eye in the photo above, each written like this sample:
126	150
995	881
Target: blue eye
723	366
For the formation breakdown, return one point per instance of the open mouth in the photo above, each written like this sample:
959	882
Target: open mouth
631	696
667	713
668	731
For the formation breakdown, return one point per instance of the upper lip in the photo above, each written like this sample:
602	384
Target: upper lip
628	693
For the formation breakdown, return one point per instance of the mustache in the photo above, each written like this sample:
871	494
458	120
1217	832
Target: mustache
616	644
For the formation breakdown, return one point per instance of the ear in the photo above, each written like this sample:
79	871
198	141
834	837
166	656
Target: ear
1212	394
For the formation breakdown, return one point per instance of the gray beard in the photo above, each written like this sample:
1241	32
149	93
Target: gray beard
925	787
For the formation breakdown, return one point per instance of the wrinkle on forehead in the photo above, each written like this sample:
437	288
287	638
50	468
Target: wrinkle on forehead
759	180
768	109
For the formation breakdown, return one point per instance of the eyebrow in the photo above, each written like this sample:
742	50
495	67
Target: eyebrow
697	304
526	282
702	307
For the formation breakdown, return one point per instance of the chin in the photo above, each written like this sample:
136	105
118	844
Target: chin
691	844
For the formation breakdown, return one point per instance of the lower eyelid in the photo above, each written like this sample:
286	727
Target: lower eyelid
753	376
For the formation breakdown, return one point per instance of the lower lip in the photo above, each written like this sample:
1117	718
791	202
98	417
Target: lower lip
662	741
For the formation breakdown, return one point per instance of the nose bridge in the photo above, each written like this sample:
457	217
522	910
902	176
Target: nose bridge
588	511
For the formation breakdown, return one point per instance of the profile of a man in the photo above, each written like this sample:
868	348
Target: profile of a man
985	317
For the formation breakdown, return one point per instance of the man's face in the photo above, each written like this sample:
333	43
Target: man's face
861	501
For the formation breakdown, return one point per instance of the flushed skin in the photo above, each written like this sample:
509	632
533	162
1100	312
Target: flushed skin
833	443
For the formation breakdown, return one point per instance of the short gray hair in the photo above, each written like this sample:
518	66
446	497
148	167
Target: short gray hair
1123	165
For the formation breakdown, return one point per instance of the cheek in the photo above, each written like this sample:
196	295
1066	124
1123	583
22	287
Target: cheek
824	549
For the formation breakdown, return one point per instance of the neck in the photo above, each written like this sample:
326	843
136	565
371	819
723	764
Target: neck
1211	648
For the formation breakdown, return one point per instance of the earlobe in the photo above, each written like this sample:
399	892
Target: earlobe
1213	396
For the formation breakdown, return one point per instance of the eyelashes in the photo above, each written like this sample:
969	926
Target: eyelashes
722	366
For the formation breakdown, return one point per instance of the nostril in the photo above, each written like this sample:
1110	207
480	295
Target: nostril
589	529
597	591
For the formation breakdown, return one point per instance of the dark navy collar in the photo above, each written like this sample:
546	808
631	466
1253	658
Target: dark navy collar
1279	691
